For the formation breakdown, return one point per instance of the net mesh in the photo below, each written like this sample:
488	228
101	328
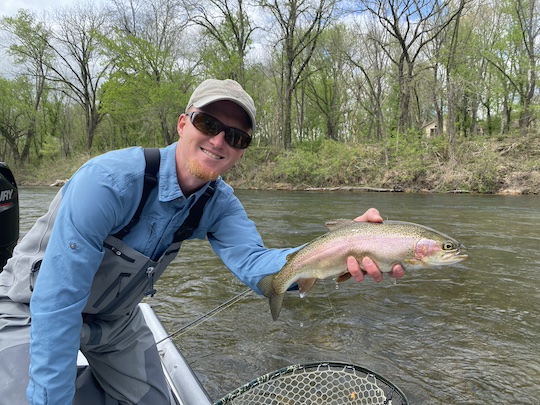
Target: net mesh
320	384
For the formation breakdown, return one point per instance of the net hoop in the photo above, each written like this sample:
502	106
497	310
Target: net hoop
325	383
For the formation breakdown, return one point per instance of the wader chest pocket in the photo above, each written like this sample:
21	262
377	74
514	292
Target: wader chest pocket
113	280
118	253
138	286
125	277
115	286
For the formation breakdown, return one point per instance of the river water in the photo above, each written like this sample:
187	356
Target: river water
466	334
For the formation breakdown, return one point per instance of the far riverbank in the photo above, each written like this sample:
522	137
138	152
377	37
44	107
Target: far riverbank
484	166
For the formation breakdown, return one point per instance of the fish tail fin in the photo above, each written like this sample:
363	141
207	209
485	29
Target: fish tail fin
275	299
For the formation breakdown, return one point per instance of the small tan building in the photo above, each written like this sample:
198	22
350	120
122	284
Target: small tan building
432	129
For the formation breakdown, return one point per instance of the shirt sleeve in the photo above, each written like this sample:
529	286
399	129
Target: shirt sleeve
92	205
236	240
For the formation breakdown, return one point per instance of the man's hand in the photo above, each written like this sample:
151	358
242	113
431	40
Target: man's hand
368	267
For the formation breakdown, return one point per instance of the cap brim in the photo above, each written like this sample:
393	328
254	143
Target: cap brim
212	99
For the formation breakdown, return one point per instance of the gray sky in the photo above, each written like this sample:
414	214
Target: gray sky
8	8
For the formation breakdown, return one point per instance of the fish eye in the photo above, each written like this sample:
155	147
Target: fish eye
448	245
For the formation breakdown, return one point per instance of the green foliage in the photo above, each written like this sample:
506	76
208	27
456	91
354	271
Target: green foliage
18	118
408	152
31	44
50	148
482	162
144	95
221	58
255	169
345	88
324	163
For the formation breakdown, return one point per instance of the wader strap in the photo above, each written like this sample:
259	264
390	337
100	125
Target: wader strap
195	213
152	158
150	181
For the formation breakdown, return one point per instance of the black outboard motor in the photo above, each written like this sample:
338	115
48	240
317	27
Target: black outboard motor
9	214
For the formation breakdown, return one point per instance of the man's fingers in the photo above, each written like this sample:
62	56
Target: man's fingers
354	269
371	215
371	269
368	267
397	271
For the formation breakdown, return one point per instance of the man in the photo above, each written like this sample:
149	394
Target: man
98	263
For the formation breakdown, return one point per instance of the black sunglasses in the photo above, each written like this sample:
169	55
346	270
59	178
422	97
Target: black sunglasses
211	126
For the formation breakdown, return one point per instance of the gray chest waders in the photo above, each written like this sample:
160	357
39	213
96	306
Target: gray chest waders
126	276
115	339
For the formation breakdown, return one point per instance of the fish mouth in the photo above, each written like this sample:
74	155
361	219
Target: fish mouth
461	251
456	256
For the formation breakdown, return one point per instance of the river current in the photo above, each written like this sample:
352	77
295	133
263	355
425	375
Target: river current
465	334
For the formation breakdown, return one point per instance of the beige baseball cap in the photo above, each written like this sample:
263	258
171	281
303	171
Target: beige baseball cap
213	90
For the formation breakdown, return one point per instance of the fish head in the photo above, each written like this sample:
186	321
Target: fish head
438	252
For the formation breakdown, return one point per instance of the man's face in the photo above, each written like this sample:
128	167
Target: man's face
201	158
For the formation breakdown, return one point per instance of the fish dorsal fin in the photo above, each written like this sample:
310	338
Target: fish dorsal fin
337	223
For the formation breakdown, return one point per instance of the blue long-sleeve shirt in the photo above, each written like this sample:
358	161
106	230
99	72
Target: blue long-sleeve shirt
99	200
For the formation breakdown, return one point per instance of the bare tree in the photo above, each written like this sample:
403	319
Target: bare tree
325	84
529	22
412	24
452	82
370	69
78	70
228	23
300	22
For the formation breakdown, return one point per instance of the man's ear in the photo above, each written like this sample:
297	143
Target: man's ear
181	123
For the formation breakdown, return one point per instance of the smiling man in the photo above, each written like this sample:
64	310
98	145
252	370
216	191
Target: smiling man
75	279
209	113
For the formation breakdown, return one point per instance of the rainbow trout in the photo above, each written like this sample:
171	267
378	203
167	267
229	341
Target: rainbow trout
388	243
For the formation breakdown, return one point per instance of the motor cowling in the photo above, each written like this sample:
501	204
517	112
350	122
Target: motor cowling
9	214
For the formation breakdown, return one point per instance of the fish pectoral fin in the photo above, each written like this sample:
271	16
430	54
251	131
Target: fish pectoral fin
305	284
343	277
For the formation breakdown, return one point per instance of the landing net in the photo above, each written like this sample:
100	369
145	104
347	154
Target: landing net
329	383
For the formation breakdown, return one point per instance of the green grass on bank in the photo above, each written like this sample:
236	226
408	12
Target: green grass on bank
412	164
